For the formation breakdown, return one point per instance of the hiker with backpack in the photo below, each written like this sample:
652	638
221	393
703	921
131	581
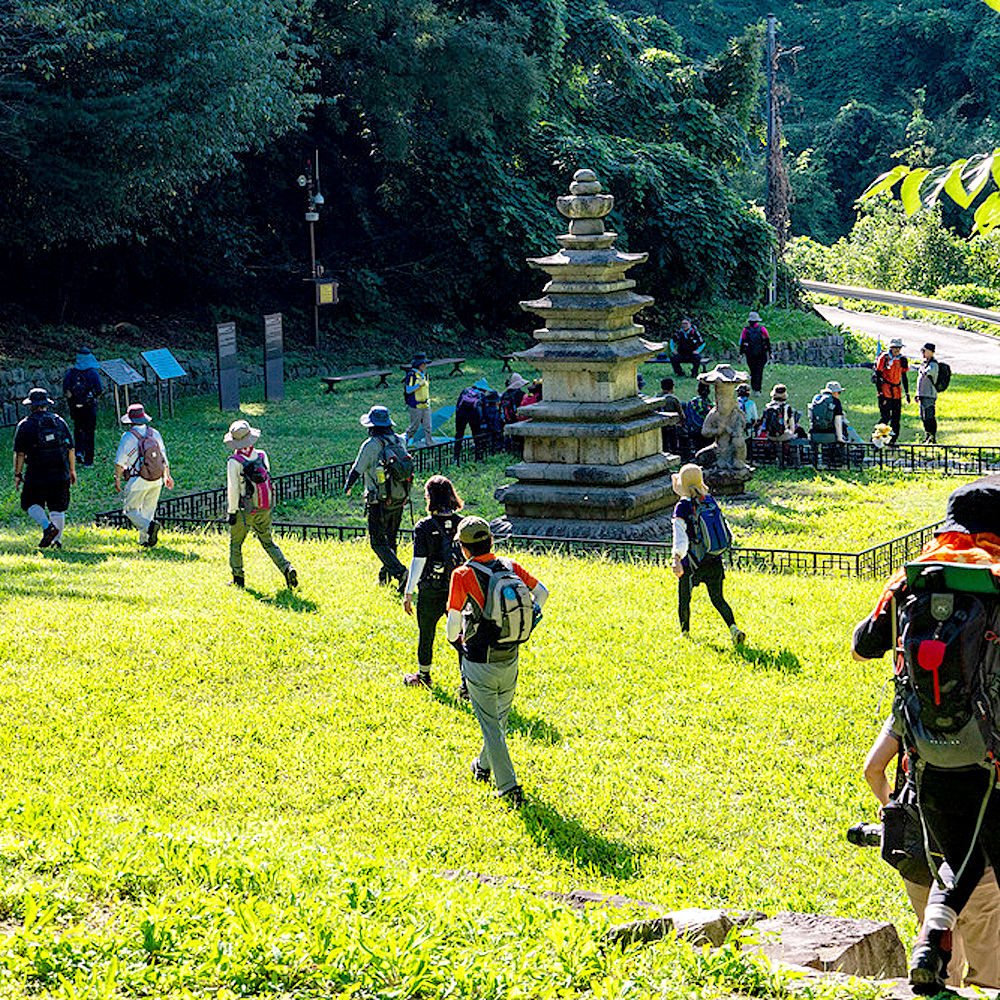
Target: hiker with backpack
700	537
779	420
510	400
436	553
670	406
749	410
249	498
468	414
44	466
385	469
933	377
827	424
891	383
82	388
975	952
939	617
417	396
142	459
493	607
755	344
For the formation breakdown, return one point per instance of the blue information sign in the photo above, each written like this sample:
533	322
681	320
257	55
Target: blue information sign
165	366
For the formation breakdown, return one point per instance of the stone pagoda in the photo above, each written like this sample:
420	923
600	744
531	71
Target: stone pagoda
593	462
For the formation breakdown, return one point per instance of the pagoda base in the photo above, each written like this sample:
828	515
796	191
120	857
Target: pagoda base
652	529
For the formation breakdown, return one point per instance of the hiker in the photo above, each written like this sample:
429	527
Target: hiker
532	395
510	400
142	459
82	388
468	414
249	498
417	396
382	465
976	939
928	376
779	420
827	424
44	466
748	408
755	343
688	345
700	536
670	405
695	411
436	553
890	384
939	616
490	600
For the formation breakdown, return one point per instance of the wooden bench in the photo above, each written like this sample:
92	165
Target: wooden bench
381	373
456	365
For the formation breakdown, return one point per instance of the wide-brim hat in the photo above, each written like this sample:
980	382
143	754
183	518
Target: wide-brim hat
377	416
753	317
241	435
474	529
689	478
780	392
136	414
833	387
973	508
419	359
516	381
37	397
85	360
896	342
724	373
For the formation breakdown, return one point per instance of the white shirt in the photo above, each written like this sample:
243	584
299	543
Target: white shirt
235	480
128	447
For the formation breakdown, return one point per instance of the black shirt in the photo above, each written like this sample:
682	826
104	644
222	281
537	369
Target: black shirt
433	538
45	440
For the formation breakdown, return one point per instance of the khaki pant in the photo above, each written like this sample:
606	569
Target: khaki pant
976	940
140	498
420	416
259	521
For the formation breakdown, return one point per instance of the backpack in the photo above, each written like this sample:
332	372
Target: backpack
693	420
508	612
754	344
710	532
50	451
944	376
79	387
947	671
397	473
149	463
259	490
470	396
447	553
508	405
821	413
774	419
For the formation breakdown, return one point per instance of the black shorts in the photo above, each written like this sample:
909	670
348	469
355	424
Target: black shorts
53	496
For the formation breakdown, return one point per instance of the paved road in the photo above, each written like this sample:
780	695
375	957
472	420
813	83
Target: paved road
968	353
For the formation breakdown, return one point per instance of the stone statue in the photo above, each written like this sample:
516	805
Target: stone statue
725	460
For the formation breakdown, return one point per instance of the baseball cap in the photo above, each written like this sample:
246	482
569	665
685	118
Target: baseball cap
474	529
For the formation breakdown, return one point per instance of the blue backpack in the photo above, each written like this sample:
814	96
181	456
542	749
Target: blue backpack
711	534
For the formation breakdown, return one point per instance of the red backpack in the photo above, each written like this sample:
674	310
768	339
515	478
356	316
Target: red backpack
258	495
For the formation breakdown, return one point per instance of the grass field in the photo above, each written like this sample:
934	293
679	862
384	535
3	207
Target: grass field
205	788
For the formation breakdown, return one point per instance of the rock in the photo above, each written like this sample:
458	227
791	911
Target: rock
711	926
833	944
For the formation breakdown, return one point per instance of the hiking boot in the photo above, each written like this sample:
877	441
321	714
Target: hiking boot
48	536
154	533
291	577
479	772
420	679
463	691
929	963
383	577
739	636
57	545
238	581
514	797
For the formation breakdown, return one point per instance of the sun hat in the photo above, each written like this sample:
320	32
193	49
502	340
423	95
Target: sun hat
895	342
241	435
753	317
973	508
419	359
474	529
780	392
929	347
85	360
136	414
516	381
37	397
377	416
724	373
687	479
833	387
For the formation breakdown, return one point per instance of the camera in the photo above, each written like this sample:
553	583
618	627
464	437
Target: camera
865	835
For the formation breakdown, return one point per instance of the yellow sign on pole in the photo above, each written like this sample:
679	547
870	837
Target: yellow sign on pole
326	292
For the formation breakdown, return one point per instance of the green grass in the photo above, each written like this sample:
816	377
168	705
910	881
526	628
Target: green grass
208	786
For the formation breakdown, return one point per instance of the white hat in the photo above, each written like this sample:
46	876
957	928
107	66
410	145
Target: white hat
895	342
753	317
241	435
833	387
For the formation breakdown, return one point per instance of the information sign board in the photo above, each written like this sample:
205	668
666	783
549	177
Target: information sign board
164	365
229	366
274	358
121	372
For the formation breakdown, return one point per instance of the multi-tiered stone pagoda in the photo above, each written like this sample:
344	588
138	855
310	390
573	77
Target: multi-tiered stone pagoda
593	465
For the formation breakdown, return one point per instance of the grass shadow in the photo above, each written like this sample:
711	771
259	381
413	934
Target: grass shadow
571	840
64	555
285	599
163	553
783	660
44	593
531	726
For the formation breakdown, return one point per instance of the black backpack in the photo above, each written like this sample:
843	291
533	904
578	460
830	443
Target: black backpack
774	419
446	554
397	467
944	376
79	387
51	450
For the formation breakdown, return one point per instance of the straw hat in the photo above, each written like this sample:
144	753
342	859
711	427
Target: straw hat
136	414
780	392
724	373
689	479
241	435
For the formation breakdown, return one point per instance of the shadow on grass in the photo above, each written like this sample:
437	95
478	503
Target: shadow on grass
44	593
64	555
571	840
783	660
285	599
530	726
163	553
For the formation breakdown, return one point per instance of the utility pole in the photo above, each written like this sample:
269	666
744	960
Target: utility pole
310	181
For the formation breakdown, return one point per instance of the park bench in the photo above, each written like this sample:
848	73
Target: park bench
382	373
456	365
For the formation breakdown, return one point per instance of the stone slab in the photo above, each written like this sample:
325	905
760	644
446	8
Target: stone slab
544	429
597	475
652	529
590	411
590	356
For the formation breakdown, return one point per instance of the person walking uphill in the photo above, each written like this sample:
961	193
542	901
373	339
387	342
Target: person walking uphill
82	388
44	467
493	605
755	343
701	535
142	459
249	499
890	384
385	469
436	553
417	395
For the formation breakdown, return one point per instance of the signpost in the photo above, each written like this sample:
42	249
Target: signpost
274	358
229	367
122	375
166	368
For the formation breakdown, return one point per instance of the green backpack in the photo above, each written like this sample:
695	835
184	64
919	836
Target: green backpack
821	413
397	480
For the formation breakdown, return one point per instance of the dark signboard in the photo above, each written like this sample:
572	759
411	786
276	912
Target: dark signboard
164	365
229	366
121	372
274	358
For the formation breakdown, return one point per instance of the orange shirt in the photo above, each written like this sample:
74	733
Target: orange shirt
465	583
891	369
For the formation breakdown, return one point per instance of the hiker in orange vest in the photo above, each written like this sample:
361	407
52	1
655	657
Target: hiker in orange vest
890	383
